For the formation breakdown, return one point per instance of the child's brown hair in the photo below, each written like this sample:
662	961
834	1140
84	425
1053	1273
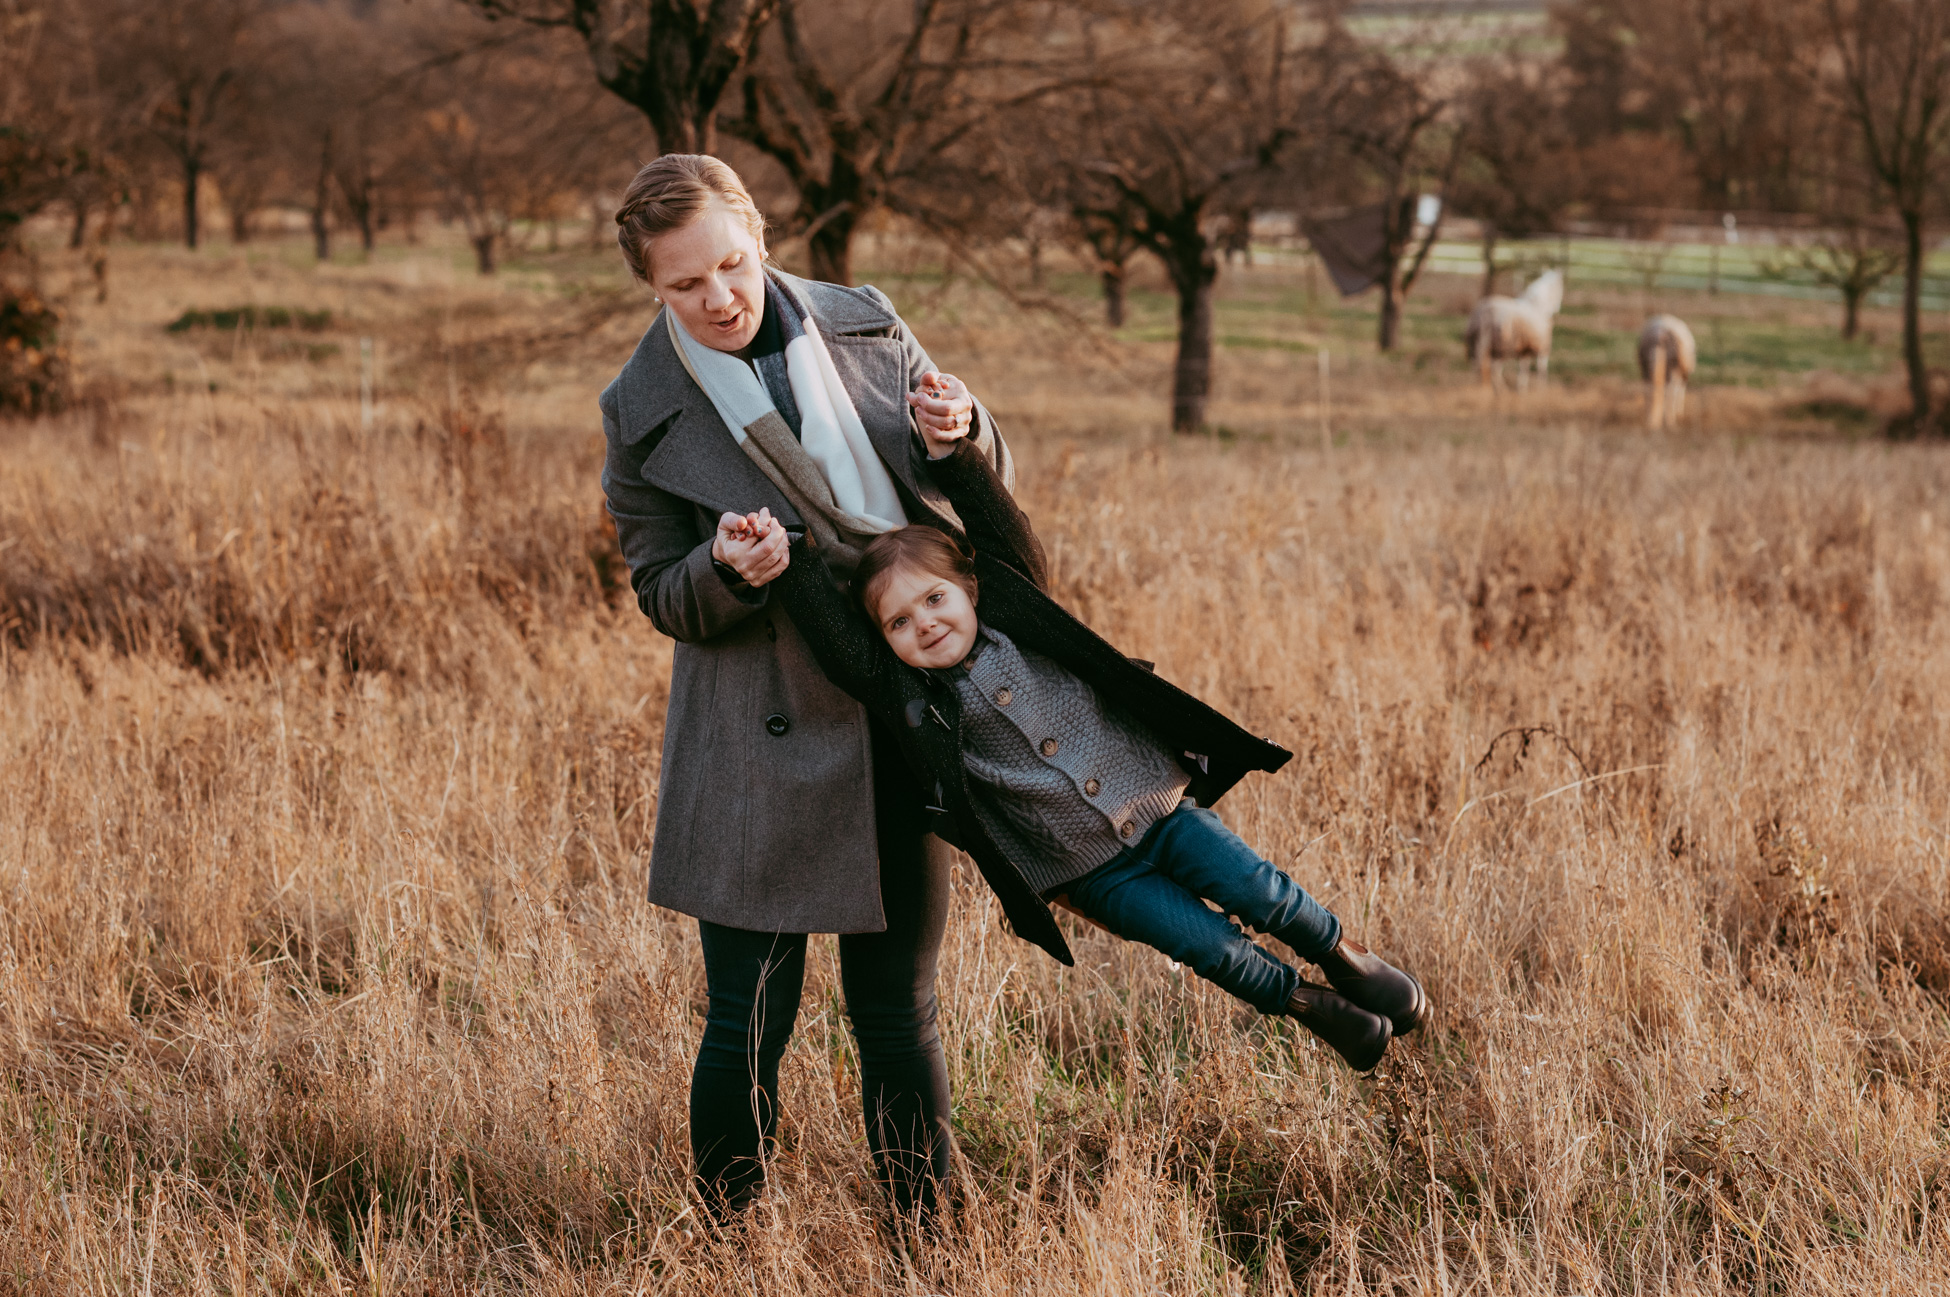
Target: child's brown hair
932	551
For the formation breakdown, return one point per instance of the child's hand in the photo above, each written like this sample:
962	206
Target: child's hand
754	545
944	410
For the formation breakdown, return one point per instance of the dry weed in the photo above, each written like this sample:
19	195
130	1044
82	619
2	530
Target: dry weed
327	771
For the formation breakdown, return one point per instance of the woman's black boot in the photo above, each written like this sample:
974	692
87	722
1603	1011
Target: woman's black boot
1376	985
1351	1031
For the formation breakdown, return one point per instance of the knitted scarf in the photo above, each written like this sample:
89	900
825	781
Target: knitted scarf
830	473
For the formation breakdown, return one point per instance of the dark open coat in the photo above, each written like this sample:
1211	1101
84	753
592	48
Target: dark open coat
765	804
922	708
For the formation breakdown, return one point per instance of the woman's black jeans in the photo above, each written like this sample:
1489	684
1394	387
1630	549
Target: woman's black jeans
754	980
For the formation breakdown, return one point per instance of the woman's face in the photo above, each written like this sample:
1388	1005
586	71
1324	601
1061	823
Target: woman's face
708	273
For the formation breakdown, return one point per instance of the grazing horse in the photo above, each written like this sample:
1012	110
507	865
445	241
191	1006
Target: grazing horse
1666	359
1515	328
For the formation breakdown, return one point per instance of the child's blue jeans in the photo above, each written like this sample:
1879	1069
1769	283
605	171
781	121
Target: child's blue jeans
1155	893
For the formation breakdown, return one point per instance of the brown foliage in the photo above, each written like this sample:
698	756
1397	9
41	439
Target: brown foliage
33	361
324	959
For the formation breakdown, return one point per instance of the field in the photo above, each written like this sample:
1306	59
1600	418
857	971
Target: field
329	741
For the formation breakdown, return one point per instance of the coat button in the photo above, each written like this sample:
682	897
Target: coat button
1126	829
776	725
1091	787
1003	698
1049	747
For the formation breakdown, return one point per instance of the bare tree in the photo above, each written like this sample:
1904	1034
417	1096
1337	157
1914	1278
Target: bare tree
1519	167
508	133
1111	235
1894	82
672	60
55	105
370	105
1388	114
250	158
1860	243
302	71
1188	110
247	165
1853	258
1032	161
182	67
43	119
860	103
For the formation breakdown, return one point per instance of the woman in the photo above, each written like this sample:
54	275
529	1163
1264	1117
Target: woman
782	810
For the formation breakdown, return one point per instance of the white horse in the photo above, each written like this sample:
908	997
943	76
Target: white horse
1516	328
1666	359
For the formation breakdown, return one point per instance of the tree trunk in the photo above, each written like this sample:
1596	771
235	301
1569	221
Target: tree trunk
1489	259
483	251
1919	378
192	173
240	221
677	131
362	212
1851	310
1113	277
1389	331
1194	272
674	65
1397	230
78	231
321	233
831	249
1403	269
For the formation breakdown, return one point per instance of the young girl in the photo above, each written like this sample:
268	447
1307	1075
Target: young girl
1069	772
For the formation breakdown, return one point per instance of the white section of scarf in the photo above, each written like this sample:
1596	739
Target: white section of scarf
829	427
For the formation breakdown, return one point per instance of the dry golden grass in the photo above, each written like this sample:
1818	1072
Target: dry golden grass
327	771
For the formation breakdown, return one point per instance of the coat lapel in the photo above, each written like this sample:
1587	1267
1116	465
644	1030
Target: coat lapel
698	460
872	368
692	453
874	373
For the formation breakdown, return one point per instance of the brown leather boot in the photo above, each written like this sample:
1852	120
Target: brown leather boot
1376	985
1351	1031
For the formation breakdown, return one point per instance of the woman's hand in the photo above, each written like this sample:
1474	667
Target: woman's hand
754	545
945	411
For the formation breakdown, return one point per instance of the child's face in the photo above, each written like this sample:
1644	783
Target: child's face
929	620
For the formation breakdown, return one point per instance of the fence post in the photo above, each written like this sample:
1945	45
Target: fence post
1326	423
365	385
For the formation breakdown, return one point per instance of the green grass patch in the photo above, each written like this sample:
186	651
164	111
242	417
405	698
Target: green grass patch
1850	416
231	318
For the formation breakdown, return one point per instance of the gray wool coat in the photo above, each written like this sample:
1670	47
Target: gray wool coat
765	813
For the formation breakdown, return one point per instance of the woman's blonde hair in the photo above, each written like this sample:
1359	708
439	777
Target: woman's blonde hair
669	194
